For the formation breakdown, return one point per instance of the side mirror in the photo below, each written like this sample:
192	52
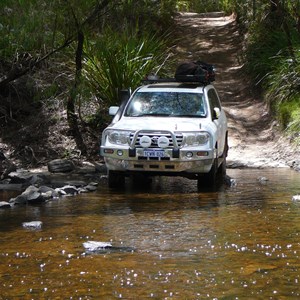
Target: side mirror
216	113
113	110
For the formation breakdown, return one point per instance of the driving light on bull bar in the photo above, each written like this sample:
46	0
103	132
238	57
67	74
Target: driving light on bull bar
189	154
120	152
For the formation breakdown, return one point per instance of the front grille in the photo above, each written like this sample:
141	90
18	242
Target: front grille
155	136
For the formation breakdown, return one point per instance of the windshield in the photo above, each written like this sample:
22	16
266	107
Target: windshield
166	104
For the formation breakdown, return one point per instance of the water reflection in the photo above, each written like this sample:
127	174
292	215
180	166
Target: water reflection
232	243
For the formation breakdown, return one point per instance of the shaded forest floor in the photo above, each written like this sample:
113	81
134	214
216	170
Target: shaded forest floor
255	140
254	137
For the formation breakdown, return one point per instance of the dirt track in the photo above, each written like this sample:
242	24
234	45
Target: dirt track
254	138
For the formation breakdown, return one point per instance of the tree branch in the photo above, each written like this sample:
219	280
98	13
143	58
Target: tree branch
17	73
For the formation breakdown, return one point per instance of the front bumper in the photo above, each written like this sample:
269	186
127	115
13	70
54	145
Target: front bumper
173	161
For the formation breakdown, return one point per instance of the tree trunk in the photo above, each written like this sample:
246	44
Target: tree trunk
71	115
254	9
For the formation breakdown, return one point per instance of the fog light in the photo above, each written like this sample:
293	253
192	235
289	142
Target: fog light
120	152
189	154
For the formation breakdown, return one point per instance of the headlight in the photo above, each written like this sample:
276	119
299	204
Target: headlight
118	137
195	139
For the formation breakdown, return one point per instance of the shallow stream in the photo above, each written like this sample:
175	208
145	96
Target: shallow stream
241	242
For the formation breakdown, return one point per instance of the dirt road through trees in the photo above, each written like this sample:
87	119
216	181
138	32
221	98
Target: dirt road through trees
254	138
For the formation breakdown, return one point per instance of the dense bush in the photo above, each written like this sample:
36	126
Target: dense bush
39	42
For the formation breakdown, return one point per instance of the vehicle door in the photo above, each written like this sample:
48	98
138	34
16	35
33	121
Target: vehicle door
218	117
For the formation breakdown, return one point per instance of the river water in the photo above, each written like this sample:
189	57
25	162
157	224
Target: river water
172	242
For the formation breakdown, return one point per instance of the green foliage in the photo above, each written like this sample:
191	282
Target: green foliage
14	34
120	60
150	15
284	80
200	6
284	91
204	6
33	26
289	117
262	52
289	114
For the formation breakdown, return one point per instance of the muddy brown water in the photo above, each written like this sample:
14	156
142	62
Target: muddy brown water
233	243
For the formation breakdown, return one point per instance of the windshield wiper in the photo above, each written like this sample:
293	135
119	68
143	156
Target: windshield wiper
149	114
189	116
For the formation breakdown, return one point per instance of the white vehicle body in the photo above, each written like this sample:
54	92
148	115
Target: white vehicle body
167	129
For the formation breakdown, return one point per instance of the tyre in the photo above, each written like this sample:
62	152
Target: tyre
140	180
115	179
222	169
209	179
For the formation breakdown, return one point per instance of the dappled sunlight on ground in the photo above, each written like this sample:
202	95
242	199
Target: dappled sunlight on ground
254	138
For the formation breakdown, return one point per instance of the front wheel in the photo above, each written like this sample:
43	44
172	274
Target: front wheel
115	179
222	169
209	179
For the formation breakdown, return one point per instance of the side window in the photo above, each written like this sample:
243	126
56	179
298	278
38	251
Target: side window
213	100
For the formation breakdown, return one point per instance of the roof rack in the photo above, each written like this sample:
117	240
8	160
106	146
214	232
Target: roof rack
155	79
192	79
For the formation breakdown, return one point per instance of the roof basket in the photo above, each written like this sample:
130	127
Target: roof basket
197	71
188	72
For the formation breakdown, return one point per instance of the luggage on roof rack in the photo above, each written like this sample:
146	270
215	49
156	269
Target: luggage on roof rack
195	71
188	72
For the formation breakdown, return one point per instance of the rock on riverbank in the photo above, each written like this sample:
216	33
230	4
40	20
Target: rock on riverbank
61	178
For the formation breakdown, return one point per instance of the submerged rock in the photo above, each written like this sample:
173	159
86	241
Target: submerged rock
68	190
296	198
91	188
4	204
104	247
32	225
229	181
262	179
93	246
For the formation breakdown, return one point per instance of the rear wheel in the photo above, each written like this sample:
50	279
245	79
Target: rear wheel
115	179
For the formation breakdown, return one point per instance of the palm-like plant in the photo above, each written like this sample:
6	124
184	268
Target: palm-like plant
120	61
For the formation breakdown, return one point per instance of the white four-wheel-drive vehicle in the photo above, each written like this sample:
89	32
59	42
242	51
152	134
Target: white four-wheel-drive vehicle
167	128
